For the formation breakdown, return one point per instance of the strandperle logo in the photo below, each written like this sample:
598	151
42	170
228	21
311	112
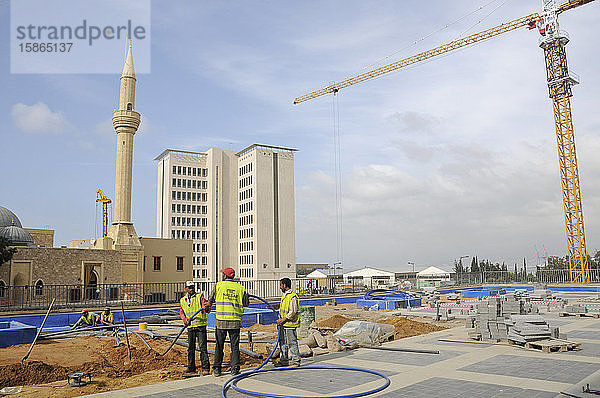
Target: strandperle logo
78	36
84	31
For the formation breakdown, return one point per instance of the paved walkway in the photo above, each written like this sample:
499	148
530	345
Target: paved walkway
460	370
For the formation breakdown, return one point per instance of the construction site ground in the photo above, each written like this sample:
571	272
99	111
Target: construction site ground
44	373
460	370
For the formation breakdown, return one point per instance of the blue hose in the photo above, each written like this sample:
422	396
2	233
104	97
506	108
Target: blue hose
232	382
375	294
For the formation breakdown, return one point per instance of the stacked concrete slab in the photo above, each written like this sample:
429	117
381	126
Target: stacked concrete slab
527	328
494	316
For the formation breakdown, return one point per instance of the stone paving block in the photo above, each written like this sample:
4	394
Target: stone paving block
405	358
207	390
550	369
450	388
583	334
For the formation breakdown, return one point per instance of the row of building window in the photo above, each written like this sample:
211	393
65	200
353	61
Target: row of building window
192	209
244	182
247	233
178	195
200	260
190	171
246	272
189	222
157	263
247	246
200	247
179	234
193	184
245	220
248	206
247	259
246	194
245	169
200	273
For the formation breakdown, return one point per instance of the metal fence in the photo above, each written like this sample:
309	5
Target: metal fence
15	298
540	276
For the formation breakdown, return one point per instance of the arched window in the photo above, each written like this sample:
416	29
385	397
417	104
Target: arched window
39	288
129	106
2	288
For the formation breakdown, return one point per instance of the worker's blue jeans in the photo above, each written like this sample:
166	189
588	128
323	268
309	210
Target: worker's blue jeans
288	341
197	334
234	343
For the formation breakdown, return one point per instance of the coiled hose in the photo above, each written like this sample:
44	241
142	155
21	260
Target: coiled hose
232	382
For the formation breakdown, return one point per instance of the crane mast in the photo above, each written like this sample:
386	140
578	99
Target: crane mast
559	89
559	80
100	197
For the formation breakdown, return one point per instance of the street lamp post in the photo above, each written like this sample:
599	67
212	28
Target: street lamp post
413	270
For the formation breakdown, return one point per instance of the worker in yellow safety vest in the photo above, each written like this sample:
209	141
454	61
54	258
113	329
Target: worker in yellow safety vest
190	303
88	318
289	321
230	298
106	317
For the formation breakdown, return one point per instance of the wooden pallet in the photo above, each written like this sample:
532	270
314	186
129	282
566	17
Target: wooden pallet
553	345
580	314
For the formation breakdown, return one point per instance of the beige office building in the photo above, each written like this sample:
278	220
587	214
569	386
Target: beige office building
236	207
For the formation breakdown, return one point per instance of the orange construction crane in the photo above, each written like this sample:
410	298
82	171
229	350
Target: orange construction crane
559	80
105	202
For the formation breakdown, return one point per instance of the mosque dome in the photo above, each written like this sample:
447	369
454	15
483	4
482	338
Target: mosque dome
8	218
17	236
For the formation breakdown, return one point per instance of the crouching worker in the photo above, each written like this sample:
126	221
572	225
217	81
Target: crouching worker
289	321
88	318
190	303
106	317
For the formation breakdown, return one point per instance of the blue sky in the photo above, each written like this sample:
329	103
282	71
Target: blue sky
453	157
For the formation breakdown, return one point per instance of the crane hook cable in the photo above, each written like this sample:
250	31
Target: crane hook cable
232	382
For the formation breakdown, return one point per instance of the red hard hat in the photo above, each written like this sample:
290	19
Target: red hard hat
84	310
230	272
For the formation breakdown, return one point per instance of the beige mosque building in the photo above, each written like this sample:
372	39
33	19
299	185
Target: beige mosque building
120	258
215	209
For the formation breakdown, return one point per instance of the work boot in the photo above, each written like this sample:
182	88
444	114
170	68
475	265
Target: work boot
216	372
189	372
205	372
235	371
281	364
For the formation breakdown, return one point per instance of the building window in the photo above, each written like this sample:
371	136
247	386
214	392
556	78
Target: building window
173	195
184	170
172	221
194	171
156	263
204	248
204	273
204	260
129	106
173	208
39	288
179	263
174	169
179	170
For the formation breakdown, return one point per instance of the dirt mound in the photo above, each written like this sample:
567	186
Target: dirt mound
19	374
407	327
335	322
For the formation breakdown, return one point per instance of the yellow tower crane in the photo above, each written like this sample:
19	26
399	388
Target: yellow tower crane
559	87
100	197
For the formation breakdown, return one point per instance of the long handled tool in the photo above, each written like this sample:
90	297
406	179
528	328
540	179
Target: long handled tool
181	331
39	331
126	335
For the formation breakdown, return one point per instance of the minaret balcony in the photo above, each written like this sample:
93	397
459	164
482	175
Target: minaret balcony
126	119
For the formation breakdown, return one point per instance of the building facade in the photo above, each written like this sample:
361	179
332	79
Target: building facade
236	207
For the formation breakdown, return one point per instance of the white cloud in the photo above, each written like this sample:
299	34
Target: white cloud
38	118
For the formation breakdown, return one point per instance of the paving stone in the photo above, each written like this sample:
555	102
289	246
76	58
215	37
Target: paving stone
551	369
450	388
583	334
405	358
207	390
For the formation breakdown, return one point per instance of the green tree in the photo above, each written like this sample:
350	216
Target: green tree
6	252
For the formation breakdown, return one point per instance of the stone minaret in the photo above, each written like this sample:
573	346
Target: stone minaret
126	122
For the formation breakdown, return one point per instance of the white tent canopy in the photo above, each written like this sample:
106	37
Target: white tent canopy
316	274
368	272
433	272
370	276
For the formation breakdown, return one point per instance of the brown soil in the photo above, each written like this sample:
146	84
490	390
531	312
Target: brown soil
109	366
335	322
